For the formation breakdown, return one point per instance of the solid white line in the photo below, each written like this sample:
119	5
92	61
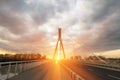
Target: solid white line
114	77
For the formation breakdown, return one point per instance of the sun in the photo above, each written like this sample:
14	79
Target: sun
58	58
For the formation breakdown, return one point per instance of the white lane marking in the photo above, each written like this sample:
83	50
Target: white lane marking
114	77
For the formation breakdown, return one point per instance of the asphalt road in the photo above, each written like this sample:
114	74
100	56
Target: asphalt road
90	72
53	71
47	71
103	73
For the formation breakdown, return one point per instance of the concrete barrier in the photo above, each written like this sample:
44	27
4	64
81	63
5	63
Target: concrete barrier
73	75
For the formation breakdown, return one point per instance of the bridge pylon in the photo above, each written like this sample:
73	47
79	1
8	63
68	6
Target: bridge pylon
59	44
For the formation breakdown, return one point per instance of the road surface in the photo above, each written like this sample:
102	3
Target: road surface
55	71
90	72
47	71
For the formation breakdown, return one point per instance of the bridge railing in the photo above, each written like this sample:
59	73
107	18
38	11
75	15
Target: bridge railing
73	75
10	69
105	64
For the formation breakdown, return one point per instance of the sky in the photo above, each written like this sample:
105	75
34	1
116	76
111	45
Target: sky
88	26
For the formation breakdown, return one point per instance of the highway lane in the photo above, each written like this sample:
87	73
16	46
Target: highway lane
97	73
103	73
53	71
47	71
80	70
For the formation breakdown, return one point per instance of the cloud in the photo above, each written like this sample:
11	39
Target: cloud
105	33
19	21
87	26
104	9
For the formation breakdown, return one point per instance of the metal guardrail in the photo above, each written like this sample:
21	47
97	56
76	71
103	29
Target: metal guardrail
10	69
105	65
111	67
108	65
73	75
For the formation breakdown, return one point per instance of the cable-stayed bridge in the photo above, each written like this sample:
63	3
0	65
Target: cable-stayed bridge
57	69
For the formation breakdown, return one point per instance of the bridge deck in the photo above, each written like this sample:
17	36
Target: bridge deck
47	71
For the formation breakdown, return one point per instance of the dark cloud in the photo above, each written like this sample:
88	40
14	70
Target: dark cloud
104	36
12	23
104	9
11	13
43	11
26	25
19	21
14	5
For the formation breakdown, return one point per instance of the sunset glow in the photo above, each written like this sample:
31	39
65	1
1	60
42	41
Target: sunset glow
59	39
83	25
